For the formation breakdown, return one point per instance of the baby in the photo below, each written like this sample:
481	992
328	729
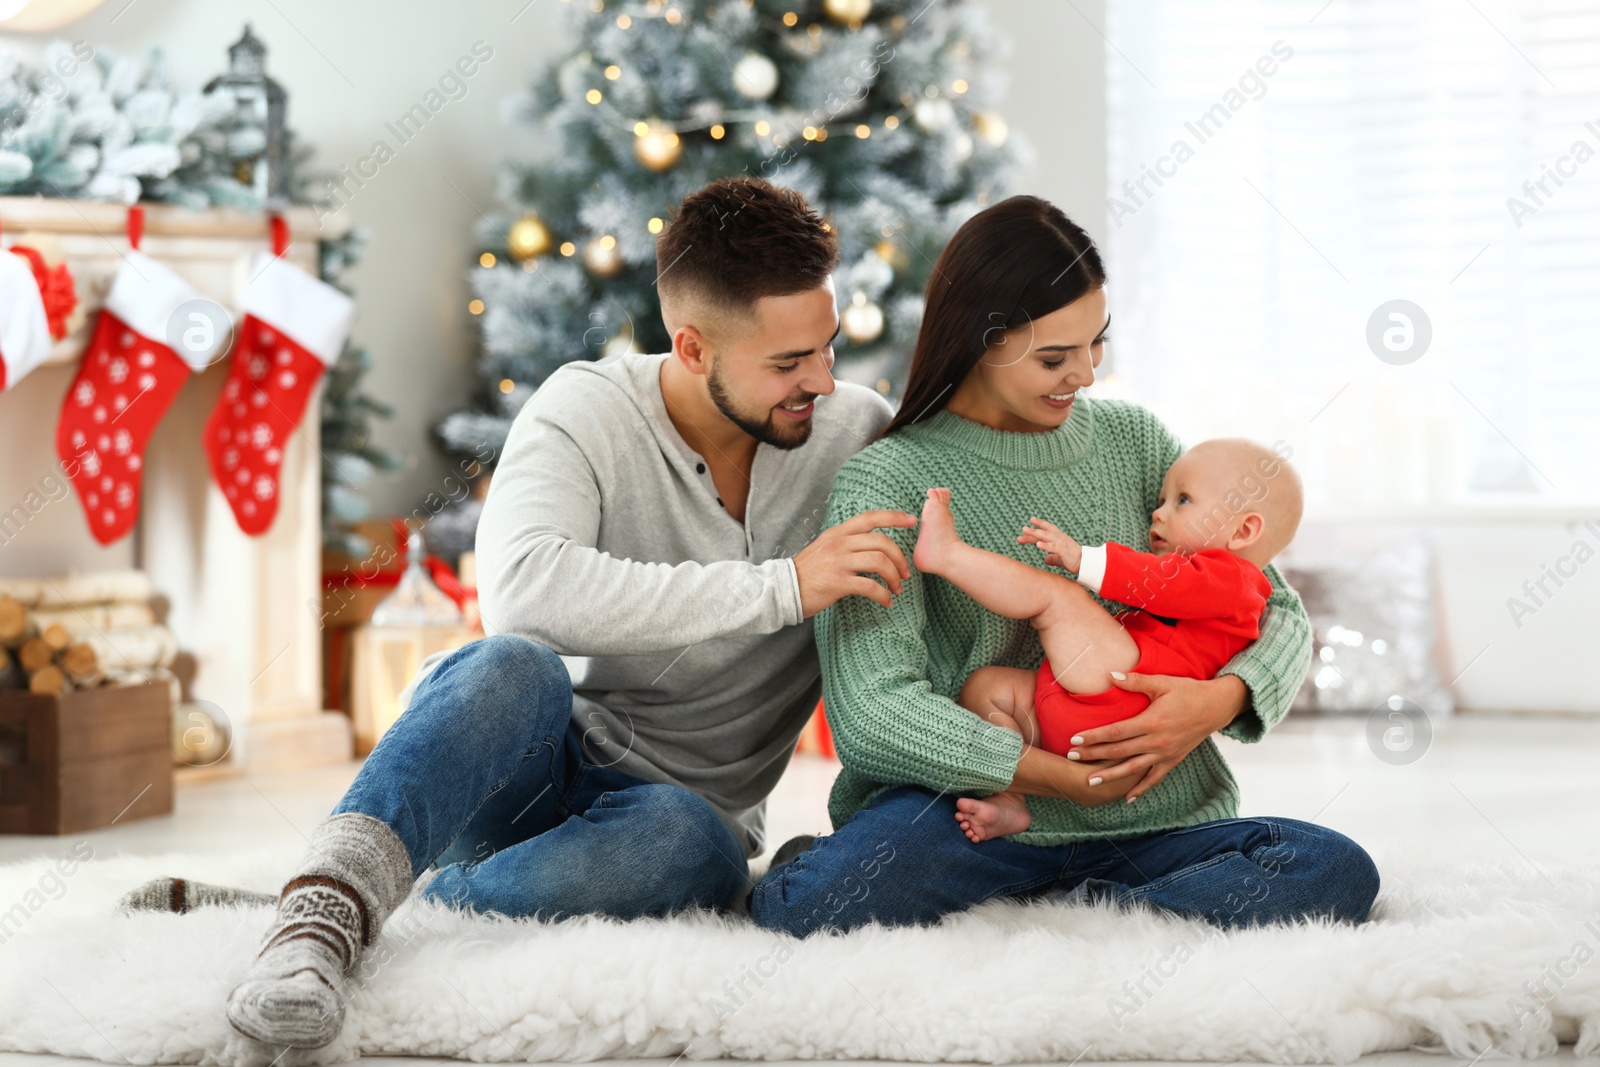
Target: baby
1227	507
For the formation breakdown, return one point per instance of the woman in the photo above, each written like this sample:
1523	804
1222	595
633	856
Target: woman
1014	327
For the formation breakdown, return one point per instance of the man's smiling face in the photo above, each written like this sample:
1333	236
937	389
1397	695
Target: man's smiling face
766	376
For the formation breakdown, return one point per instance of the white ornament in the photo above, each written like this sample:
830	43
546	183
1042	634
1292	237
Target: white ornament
755	76
933	115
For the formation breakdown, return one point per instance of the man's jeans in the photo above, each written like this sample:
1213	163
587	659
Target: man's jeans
903	859
485	776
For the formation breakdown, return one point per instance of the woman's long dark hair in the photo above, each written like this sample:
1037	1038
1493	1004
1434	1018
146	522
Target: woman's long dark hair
1005	267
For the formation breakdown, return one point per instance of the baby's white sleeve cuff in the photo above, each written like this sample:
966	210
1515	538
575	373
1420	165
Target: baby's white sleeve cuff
1092	568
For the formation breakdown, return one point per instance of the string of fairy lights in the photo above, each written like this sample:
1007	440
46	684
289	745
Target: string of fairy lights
658	145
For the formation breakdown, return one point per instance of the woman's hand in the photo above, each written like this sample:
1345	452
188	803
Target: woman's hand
1183	712
1044	774
1060	549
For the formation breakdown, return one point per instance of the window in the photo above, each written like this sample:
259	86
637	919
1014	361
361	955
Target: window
1281	174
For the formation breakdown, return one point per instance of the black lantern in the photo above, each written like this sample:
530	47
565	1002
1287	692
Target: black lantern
262	103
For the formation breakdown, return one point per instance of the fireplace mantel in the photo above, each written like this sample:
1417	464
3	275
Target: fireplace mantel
248	607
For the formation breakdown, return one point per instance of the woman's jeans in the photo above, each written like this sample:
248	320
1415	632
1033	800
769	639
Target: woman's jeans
903	859
486	776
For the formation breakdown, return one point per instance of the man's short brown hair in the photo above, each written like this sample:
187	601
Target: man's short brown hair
737	240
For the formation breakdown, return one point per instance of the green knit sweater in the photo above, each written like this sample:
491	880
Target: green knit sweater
890	676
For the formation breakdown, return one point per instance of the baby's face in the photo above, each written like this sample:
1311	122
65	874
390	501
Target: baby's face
1193	513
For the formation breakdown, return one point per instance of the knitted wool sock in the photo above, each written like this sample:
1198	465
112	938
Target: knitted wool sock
354	876
180	894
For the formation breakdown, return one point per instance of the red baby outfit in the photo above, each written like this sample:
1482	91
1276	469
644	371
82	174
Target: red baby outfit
1190	615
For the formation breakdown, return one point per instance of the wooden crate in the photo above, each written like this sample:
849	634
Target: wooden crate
84	759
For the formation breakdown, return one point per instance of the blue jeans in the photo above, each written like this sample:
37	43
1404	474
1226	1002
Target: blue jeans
485	776
903	860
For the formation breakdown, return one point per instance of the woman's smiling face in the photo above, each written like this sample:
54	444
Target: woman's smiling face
1028	377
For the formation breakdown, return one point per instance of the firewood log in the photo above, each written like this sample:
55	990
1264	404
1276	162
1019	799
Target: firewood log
57	636
36	655
94	587
50	681
97	616
15	625
24	591
132	648
81	664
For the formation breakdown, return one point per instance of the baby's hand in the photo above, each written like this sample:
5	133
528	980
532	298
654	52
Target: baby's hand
1060	550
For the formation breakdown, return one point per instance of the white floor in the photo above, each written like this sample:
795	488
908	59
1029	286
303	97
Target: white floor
1522	789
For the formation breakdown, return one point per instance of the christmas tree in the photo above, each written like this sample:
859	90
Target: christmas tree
879	111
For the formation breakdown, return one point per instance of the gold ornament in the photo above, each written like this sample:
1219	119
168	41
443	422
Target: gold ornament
892	254
529	237
658	147
601	258
862	321
991	127
850	13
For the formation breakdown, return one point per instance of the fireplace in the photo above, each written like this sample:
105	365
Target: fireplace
248	608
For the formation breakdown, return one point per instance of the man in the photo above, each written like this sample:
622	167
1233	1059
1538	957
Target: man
654	520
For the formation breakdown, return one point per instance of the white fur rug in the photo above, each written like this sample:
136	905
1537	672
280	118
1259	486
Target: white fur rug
1458	958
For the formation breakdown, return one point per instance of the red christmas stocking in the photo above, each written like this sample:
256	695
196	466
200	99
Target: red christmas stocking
125	384
294	326
24	330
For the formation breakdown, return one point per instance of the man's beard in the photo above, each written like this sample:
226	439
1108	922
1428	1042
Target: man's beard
766	430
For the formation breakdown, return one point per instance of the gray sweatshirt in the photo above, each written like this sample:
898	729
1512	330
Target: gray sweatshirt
602	538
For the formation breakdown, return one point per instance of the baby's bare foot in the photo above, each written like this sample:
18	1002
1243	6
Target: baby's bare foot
936	532
996	816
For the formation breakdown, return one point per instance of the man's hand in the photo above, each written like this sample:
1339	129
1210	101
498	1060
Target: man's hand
1060	549
1183	712
835	565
